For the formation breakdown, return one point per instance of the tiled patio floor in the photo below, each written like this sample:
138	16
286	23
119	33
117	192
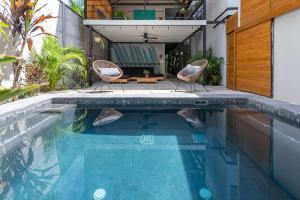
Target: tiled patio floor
161	89
168	84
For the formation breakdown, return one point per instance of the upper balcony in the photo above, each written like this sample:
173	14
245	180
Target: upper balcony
159	21
143	9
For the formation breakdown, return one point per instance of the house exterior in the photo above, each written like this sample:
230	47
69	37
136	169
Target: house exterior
138	31
258	42
265	63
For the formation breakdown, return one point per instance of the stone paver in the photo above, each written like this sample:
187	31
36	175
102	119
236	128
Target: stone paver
162	90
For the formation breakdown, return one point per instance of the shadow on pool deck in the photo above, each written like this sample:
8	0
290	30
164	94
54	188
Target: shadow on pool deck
168	84
164	88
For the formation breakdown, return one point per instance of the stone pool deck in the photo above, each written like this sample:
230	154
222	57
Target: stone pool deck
159	95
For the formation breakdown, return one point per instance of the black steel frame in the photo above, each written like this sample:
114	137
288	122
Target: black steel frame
224	18
203	28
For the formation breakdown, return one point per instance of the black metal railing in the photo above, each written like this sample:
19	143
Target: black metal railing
108	12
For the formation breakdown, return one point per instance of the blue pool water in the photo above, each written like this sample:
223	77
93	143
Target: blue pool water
231	154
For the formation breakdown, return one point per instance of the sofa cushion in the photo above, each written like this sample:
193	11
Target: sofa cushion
190	69
110	72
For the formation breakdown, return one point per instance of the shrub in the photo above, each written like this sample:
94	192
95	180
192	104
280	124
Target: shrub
63	67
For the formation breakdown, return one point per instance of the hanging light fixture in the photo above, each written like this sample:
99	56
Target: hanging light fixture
98	39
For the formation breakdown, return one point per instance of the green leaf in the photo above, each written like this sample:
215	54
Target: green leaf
77	8
6	94
2	31
4	25
7	59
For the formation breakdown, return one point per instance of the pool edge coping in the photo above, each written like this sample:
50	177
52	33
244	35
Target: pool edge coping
18	109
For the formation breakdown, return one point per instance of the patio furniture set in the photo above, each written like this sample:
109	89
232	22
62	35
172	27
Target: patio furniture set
111	73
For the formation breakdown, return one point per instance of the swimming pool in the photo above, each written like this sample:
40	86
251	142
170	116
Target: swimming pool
216	153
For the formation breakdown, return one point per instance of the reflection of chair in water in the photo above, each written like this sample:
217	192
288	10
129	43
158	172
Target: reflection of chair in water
191	116
107	116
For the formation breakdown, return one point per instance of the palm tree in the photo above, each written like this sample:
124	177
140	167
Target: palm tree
59	63
77	7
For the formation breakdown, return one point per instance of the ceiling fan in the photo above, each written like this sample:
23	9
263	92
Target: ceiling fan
147	37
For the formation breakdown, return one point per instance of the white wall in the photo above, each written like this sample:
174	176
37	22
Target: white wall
286	57
216	38
67	27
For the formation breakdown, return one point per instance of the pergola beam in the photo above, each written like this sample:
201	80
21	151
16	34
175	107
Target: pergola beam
150	23
175	2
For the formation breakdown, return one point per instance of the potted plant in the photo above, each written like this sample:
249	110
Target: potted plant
119	15
183	11
146	73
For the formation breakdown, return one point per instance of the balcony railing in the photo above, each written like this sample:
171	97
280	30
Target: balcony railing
103	9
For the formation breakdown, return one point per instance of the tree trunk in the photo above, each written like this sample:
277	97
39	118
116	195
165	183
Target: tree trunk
16	71
17	66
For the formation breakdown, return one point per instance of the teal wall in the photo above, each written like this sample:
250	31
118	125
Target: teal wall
144	14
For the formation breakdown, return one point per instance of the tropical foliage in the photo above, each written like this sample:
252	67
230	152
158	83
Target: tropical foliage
63	66
7	59
119	15
24	24
77	7
2	31
7	94
34	75
213	75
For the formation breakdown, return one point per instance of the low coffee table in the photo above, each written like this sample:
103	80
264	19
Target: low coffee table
146	80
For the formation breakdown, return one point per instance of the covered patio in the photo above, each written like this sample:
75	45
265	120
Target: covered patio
141	45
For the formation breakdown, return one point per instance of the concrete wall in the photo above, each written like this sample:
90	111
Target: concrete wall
216	38
67	27
286	57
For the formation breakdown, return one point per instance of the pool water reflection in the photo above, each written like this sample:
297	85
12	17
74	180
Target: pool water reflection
233	153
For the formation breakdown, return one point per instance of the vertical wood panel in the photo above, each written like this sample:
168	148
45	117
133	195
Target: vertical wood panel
231	26
254	10
279	7
253	59
103	5
232	23
231	61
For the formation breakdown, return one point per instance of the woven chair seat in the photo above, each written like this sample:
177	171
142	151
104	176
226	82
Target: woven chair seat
104	64
191	77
